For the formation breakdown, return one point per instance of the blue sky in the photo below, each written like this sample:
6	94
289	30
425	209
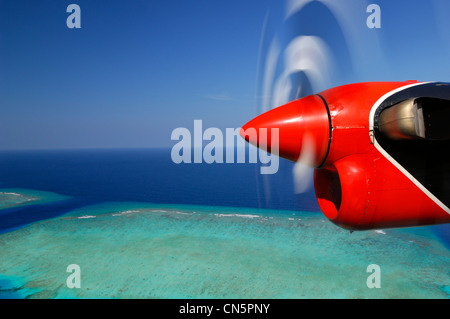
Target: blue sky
137	70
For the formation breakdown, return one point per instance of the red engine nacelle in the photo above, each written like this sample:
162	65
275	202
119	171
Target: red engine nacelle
379	150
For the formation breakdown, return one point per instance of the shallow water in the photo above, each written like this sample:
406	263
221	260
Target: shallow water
14	197
141	250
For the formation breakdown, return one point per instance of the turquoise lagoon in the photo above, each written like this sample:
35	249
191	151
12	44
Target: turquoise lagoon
142	250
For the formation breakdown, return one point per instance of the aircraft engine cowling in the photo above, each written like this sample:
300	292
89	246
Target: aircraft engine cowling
343	190
379	151
361	192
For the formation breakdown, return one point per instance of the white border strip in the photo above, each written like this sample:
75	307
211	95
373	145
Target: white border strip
391	159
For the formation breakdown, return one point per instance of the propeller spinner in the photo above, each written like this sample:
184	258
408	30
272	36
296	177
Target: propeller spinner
304	130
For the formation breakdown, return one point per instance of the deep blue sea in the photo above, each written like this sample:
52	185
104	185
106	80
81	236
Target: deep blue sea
143	175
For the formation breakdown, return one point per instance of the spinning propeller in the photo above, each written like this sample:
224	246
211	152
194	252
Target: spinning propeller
361	139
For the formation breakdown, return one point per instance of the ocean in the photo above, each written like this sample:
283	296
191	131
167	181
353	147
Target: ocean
140	226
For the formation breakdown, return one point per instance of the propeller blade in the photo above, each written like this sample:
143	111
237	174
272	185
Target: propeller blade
303	173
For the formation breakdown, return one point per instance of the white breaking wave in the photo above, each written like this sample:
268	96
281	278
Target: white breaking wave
125	212
6	193
86	216
23	197
237	215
